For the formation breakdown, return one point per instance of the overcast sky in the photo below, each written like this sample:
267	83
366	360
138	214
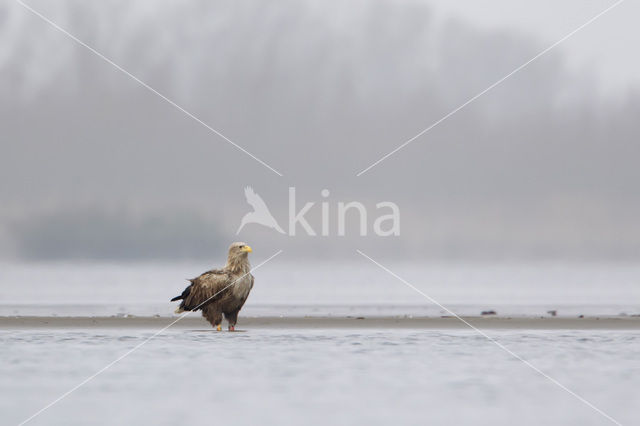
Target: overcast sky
606	45
96	166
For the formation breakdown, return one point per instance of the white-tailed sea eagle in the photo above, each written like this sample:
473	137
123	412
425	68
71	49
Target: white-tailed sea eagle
220	291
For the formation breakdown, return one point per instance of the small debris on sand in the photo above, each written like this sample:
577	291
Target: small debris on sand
553	313
488	313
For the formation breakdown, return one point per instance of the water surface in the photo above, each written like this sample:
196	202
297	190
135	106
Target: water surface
319	377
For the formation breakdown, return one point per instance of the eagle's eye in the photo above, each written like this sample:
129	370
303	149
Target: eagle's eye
241	247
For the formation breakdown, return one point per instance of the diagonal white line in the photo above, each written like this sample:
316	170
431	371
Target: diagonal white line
491	339
143	84
135	348
489	88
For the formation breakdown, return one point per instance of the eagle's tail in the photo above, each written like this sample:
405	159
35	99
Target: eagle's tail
183	296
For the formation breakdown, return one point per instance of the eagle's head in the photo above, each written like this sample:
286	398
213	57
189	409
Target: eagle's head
238	257
239	250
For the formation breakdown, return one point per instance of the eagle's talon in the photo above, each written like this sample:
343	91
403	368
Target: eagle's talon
219	327
232	328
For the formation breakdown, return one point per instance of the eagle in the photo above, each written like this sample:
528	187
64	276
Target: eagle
220	291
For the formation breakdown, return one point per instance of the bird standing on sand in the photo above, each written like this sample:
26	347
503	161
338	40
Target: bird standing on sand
220	291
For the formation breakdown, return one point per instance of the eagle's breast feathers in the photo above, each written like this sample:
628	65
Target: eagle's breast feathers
229	290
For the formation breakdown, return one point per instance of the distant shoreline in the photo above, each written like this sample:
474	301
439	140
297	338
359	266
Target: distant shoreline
247	323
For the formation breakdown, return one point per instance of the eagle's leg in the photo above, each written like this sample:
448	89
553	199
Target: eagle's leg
232	317
213	315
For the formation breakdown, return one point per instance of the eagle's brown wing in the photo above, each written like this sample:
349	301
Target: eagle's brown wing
204	289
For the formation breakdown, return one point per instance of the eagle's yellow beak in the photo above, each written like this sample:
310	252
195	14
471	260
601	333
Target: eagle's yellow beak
247	249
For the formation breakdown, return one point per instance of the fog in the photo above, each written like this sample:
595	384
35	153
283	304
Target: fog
95	166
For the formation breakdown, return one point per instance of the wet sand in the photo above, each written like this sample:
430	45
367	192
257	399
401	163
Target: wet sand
247	323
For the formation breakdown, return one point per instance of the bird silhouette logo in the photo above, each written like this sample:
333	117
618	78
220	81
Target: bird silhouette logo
260	214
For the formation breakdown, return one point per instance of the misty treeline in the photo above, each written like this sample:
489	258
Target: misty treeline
96	166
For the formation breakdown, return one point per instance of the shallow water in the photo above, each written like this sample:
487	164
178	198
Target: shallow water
319	377
349	288
316	376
